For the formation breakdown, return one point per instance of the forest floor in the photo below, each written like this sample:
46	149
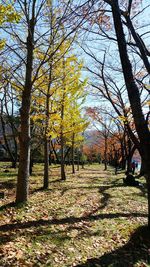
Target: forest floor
91	219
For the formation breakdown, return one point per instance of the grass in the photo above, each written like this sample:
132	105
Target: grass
91	219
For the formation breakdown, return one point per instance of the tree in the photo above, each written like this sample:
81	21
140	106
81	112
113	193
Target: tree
69	97
110	136
134	89
134	97
58	98
78	124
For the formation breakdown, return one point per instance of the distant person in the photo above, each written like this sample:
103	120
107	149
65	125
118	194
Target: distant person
130	180
133	167
136	165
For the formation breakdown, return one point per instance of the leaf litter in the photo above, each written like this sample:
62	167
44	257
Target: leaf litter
89	216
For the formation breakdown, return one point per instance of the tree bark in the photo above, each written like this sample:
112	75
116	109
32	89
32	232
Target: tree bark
129	158
56	156
142	169
105	154
63	175
148	196
123	158
72	154
46	141
46	163
24	136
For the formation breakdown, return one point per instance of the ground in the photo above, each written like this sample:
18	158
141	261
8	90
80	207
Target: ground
91	219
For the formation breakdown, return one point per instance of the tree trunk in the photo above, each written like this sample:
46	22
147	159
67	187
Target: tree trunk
31	165
46	141
63	175
56	156
142	169
116	162
78	162
123	160
46	163
24	137
72	154
148	196
129	158
105	154
14	164
24	156
50	156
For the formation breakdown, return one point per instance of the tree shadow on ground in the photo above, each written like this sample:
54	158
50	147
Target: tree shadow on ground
142	192
8	205
10	184
142	187
68	220
105	196
37	235
7	175
137	249
13	204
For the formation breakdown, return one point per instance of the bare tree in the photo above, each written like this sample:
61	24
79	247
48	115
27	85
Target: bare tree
124	28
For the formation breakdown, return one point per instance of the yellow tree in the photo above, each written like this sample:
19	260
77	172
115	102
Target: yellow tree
69	90
7	14
78	124
57	99
45	105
